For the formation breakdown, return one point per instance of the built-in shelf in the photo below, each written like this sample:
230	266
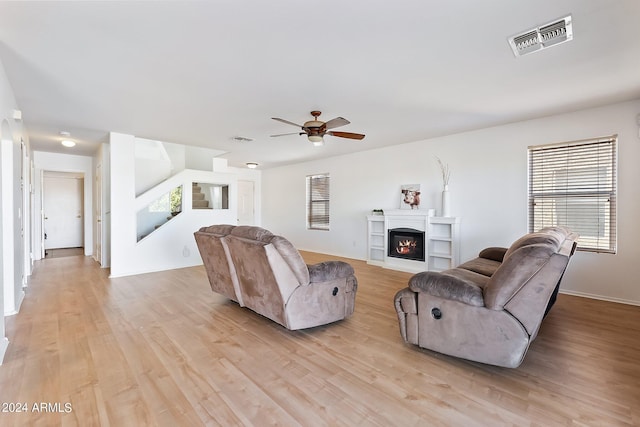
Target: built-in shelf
376	239
443	243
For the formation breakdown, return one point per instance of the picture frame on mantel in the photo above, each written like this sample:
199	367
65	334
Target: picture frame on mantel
410	196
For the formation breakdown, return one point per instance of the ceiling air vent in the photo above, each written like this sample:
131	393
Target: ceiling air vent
547	35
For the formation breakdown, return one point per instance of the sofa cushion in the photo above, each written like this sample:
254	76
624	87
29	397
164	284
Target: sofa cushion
483	266
493	253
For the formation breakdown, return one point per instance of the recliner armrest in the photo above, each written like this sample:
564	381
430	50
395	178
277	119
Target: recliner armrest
329	270
448	287
493	253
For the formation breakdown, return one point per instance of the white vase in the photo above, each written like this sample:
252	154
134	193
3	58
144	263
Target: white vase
446	202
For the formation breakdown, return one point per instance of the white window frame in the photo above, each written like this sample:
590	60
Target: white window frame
318	202
574	184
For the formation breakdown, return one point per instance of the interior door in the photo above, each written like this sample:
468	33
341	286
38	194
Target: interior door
62	205
246	208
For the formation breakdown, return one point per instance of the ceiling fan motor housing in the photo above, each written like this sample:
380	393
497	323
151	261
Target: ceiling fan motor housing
313	125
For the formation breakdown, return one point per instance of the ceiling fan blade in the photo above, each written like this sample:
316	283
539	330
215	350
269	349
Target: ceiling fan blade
286	121
292	133
337	122
346	135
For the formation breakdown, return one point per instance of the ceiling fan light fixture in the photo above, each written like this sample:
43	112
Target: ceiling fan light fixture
317	140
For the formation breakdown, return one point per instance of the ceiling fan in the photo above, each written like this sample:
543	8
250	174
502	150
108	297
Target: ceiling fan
316	129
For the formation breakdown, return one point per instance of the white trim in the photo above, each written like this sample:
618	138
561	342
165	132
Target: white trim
4	344
599	297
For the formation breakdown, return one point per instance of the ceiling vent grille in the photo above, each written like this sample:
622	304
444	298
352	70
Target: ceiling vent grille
547	35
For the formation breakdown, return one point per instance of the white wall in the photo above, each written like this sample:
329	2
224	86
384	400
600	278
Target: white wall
4	342
173	245
11	244
101	167
488	191
55	162
14	201
158	160
199	158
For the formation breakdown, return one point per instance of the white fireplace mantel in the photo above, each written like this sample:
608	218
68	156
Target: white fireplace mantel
441	240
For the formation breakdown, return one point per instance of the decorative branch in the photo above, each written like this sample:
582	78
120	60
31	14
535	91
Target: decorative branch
446	173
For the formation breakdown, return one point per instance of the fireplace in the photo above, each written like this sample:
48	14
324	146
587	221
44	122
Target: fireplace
406	243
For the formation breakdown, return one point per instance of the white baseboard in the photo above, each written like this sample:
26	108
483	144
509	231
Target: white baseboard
4	344
153	270
21	296
599	297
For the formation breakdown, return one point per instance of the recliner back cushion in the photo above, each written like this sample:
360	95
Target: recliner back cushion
217	265
553	236
251	233
258	285
514	273
219	229
288	252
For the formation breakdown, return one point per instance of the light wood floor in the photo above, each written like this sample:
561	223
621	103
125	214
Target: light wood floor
162	349
63	252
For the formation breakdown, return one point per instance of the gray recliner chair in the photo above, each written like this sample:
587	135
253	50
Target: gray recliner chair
489	309
267	274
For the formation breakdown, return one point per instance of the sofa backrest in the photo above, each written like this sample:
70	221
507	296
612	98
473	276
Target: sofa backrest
288	252
217	261
268	269
531	270
515	272
552	236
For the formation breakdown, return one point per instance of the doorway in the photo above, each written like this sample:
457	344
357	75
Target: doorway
62	211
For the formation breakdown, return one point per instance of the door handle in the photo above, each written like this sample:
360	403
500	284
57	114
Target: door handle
78	216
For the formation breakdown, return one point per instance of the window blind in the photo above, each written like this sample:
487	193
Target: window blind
318	202
574	184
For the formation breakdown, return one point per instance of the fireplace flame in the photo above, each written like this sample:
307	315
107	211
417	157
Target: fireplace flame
406	246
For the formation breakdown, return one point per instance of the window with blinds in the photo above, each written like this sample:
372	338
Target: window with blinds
573	184
318	202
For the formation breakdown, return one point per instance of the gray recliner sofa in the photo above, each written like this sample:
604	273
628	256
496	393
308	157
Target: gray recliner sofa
267	274
489	309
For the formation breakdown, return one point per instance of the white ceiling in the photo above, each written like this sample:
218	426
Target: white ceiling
200	73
